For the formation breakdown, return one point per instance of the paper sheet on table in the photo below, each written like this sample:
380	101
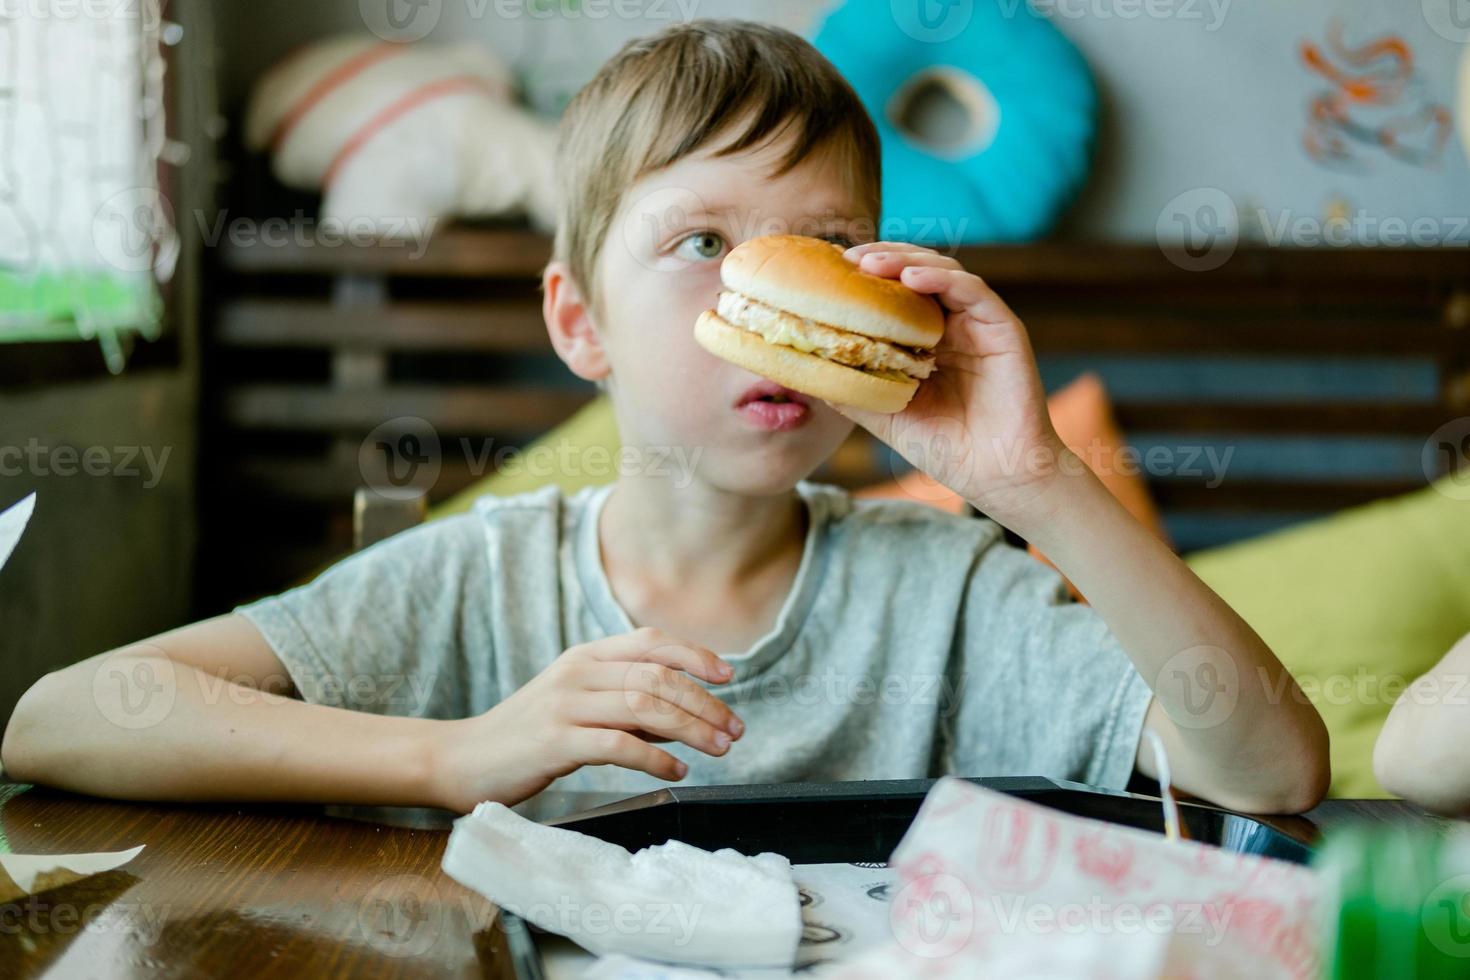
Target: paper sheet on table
27	874
993	886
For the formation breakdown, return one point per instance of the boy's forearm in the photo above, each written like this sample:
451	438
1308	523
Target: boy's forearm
215	741
1233	706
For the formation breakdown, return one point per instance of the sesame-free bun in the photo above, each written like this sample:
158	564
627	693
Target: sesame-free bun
800	371
809	277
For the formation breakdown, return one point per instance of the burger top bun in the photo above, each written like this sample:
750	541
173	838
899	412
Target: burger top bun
811	279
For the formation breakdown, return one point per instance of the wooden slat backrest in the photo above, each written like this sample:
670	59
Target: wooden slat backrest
1353	323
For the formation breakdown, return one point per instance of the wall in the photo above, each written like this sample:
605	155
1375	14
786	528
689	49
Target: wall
108	556
1197	94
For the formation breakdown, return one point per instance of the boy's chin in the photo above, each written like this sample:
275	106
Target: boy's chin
756	474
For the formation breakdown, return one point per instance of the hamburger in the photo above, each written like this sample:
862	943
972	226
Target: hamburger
794	310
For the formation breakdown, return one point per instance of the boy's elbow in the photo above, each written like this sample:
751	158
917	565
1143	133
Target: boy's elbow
1313	775
21	746
1299	779
1309	790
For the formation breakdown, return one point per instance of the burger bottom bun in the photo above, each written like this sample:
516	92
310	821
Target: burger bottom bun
801	371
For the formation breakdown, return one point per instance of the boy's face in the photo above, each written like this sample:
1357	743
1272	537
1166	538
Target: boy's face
660	269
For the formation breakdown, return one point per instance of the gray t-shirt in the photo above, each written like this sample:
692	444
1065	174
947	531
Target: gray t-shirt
913	643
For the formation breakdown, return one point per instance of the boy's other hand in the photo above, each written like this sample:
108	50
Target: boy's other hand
599	703
979	424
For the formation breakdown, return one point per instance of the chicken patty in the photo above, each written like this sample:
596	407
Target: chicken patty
843	346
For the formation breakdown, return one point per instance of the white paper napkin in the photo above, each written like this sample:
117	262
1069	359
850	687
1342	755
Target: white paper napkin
12	522
672	902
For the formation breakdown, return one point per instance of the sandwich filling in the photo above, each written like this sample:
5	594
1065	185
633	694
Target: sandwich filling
880	357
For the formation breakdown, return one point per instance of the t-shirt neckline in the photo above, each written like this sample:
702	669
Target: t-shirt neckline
613	619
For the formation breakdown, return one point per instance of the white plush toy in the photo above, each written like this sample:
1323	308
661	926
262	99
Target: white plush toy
398	133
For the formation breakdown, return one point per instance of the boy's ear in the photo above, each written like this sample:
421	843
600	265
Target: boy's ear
569	321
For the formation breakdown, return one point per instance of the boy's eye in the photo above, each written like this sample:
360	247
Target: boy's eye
838	239
702	246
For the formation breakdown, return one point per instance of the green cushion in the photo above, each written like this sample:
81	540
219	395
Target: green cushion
560	456
1357	605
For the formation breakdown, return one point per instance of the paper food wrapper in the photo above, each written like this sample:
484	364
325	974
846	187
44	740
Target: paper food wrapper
993	886
28	874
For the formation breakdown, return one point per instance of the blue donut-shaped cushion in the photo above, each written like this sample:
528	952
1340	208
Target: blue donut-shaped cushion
1013	181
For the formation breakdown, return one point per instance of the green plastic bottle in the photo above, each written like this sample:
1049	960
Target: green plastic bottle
1396	902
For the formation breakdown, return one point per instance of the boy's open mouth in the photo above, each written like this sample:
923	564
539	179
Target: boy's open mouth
769	391
772	407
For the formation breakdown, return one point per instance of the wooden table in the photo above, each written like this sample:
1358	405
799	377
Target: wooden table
280	891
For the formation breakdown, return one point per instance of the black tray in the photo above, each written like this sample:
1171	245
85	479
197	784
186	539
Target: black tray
818	823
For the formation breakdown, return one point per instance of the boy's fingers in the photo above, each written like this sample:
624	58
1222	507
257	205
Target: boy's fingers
607	746
656	646
885	263
959	291
669	685
858	251
637	711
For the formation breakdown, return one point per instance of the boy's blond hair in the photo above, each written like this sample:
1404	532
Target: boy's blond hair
667	96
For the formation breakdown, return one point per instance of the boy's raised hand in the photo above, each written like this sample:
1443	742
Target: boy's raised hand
979	424
598	703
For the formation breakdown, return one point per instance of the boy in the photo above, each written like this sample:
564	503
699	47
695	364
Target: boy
546	639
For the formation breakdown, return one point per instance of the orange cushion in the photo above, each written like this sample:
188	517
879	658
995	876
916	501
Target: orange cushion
1083	418
916	485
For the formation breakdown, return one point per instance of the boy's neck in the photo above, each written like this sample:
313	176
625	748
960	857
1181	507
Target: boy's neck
698	534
